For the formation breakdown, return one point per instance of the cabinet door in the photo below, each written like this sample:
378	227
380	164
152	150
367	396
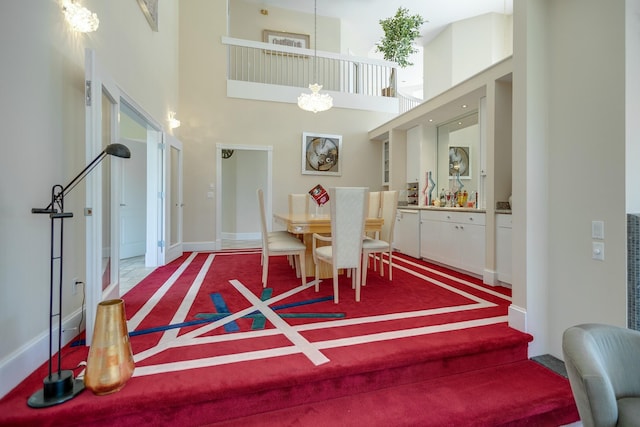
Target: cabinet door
429	237
471	247
413	154
385	163
449	243
406	232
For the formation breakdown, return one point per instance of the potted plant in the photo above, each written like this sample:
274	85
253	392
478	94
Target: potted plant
400	31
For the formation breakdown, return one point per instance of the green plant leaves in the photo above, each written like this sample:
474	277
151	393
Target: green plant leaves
399	33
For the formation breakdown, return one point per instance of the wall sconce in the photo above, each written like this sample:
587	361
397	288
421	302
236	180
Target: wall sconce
173	122
80	18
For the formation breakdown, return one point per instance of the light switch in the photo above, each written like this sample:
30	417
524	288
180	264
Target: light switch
597	250
597	230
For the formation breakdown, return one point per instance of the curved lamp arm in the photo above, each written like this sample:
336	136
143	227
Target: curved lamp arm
58	192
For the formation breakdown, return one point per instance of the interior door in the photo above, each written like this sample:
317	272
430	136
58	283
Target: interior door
102	99
174	201
133	206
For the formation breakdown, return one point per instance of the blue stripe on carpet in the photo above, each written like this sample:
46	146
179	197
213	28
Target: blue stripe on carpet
221	307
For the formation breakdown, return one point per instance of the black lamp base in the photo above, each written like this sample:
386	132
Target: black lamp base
58	388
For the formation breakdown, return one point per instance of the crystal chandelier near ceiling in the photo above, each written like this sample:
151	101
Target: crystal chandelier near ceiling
80	18
315	101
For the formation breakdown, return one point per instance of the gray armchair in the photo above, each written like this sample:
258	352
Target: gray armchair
603	364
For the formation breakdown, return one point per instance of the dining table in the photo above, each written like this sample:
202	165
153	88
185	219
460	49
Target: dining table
305	224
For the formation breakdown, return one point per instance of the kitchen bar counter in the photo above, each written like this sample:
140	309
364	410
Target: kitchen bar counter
434	208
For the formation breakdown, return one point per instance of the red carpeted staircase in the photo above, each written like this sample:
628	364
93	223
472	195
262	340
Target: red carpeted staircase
496	386
455	364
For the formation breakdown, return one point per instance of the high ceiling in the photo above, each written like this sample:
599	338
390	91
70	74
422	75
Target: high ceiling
362	17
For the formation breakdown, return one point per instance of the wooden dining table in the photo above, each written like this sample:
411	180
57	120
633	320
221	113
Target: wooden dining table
307	224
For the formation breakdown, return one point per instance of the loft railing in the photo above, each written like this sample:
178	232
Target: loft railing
408	102
258	62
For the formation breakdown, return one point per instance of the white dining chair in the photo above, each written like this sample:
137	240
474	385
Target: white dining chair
299	203
344	248
384	242
374	210
279	244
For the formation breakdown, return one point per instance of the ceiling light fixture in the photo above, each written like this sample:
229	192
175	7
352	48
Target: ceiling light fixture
80	18
315	101
173	122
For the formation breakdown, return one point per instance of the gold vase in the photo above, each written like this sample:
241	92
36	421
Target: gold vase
110	361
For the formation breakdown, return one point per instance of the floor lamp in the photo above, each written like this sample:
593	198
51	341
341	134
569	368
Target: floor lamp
61	386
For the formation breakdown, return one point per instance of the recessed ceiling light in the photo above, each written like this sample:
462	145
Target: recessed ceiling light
464	105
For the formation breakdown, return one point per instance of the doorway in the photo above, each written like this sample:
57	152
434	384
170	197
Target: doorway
108	192
240	171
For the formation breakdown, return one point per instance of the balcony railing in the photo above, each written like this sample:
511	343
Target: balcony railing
408	102
260	63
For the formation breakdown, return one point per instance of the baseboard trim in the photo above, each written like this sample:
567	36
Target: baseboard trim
241	236
22	362
490	277
199	246
517	318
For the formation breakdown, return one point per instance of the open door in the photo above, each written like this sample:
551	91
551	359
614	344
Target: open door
174	201
102	98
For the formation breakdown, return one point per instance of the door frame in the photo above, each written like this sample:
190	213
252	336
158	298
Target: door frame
96	78
218	187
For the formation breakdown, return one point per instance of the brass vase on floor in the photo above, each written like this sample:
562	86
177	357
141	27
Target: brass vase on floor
110	361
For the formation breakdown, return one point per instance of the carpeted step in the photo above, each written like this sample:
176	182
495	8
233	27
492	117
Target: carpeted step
398	363
522	393
428	330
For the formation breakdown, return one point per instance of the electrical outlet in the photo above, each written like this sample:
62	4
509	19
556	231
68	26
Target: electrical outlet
597	250
74	286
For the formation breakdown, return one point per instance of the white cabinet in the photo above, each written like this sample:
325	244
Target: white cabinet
385	163
431	233
413	154
454	238
406	233
503	248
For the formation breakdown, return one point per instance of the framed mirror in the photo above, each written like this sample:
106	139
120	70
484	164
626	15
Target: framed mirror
459	155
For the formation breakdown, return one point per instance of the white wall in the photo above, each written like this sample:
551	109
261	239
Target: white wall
42	86
465	47
568	148
632	47
246	22
242	174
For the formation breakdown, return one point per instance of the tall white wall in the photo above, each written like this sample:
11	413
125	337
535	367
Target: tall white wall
568	170
42	103
464	48
632	48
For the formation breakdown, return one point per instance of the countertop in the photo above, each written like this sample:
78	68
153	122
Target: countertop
434	208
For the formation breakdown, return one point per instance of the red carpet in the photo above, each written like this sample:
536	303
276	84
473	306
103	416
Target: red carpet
431	342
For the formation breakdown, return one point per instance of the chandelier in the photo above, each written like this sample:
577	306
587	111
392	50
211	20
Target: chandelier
315	101
80	18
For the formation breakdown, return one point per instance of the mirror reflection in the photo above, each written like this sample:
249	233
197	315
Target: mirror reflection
458	161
